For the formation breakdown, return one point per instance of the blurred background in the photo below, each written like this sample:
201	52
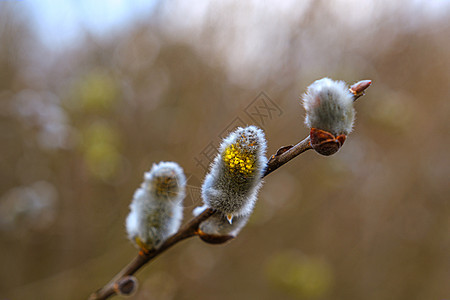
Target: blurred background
93	92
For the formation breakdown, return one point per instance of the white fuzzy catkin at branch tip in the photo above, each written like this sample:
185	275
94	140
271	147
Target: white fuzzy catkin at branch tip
232	184
156	209
329	106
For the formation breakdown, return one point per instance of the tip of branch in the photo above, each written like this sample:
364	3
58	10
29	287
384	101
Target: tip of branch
358	88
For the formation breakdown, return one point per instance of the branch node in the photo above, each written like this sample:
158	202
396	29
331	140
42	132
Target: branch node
126	286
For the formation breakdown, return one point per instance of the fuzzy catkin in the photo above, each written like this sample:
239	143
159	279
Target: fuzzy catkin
232	184
329	106
219	225
156	209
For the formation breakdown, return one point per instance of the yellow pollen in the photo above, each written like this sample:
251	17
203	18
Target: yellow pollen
239	160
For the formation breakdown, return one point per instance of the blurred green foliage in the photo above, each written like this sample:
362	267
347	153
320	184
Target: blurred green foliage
303	277
100	150
97	93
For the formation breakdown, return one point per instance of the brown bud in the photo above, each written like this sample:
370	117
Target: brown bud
214	238
358	88
326	143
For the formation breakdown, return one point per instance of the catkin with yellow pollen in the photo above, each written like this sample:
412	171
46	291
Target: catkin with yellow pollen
232	185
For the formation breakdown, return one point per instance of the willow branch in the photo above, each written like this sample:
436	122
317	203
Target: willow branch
282	156
285	154
187	231
190	229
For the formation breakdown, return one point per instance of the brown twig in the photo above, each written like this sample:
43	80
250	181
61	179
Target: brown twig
285	154
190	229
281	157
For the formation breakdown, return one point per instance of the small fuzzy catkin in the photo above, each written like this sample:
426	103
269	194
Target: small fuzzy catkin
232	184
156	209
218	225
329	106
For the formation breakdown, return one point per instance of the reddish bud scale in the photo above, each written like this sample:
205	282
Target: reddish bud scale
358	88
326	143
214	238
